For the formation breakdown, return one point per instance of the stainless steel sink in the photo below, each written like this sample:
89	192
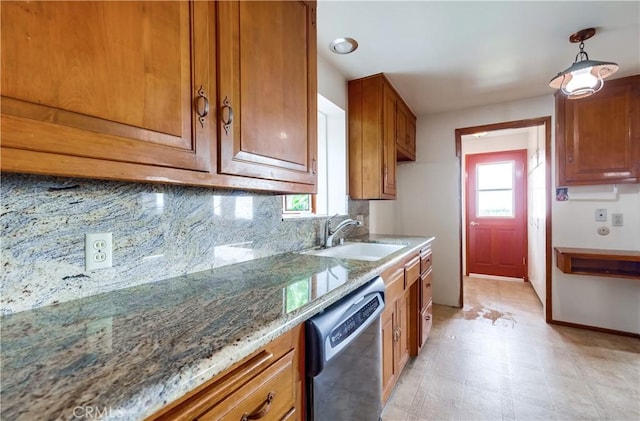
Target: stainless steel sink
358	251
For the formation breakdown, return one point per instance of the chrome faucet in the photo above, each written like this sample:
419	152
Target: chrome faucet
329	233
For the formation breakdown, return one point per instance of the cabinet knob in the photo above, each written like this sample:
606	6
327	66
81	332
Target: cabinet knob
202	106
427	317
570	158
262	411
226	122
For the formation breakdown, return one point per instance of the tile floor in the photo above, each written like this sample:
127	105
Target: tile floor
497	359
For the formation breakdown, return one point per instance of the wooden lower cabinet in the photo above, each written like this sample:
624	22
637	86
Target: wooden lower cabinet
403	322
423	303
400	324
267	385
391	367
388	345
270	394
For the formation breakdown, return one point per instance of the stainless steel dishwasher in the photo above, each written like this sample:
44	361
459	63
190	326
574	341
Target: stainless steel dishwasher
344	358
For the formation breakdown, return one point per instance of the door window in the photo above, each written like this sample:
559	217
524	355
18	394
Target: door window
494	190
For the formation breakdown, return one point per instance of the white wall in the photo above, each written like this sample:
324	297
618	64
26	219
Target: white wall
429	202
598	301
537	214
331	84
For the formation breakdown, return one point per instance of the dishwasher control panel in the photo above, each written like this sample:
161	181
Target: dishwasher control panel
346	328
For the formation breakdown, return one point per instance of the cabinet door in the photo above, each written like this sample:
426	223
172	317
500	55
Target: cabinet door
388	344
116	81
267	100
389	143
411	136
599	136
403	304
394	288
401	124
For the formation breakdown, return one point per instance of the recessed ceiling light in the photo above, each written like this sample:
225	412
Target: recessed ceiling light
343	45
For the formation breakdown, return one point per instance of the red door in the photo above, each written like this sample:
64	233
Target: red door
496	213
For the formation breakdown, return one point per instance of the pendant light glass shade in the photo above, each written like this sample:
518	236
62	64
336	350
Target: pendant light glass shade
584	77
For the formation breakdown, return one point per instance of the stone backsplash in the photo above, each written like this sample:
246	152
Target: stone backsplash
159	232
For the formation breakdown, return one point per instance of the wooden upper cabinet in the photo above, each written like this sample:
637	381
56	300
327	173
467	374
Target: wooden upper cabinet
372	138
114	81
267	99
405	132
598	137
389	143
402	118
157	91
411	138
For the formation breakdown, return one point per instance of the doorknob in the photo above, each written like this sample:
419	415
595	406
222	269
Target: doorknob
474	223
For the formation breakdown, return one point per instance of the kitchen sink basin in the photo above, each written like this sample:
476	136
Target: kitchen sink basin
358	251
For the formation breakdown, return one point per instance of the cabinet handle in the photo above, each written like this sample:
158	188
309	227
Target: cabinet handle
428	285
226	122
264	410
427	317
314	168
202	106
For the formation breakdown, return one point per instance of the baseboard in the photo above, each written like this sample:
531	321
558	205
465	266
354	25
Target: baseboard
595	328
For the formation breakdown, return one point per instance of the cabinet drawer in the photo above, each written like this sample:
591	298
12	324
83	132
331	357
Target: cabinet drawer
426	321
425	261
426	293
411	271
269	396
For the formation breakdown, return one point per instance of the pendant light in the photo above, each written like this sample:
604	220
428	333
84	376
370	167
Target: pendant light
585	77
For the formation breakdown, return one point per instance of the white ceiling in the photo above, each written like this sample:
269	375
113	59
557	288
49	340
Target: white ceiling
447	55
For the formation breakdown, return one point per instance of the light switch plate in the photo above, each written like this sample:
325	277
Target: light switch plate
601	215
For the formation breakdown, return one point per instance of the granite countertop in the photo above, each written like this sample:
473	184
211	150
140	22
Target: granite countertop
127	353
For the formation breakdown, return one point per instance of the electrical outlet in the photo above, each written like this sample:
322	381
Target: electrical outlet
617	220
360	218
98	251
601	215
